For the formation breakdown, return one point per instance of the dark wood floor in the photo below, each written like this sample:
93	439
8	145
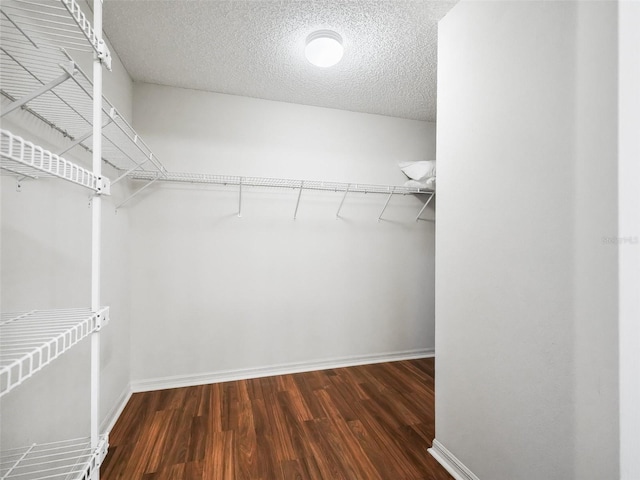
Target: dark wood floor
358	423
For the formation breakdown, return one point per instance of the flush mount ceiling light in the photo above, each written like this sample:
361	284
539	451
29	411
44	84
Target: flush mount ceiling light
324	48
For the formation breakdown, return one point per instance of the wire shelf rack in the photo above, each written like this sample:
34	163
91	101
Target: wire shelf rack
31	340
47	21
44	80
67	460
25	159
280	183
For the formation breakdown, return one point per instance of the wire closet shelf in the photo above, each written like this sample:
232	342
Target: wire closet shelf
279	183
283	183
25	159
45	80
37	74
60	20
31	340
69	460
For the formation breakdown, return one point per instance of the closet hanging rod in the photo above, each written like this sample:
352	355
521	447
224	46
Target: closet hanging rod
199	178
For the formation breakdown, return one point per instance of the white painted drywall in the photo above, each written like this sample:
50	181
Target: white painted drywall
526	283
212	292
595	275
629	229
45	253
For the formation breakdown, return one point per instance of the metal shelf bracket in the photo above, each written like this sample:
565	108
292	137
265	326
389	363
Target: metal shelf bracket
136	193
103	54
425	206
101	318
36	93
82	138
240	198
342	201
295	214
386	203
103	185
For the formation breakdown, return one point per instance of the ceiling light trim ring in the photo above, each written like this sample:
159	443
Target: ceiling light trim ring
324	48
324	34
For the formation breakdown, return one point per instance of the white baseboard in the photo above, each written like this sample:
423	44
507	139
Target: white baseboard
110	420
282	369
448	460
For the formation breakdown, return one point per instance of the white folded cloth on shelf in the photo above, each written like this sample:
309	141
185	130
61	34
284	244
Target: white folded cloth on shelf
429	183
421	173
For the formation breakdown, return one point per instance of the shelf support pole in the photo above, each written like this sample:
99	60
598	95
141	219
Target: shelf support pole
96	227
342	201
36	93
240	197
425	206
295	214
386	204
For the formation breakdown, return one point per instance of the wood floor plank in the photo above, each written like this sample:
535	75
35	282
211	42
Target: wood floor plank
219	463
370	422
343	407
176	448
246	446
384	435
137	410
297	402
347	387
194	471
197	444
215	407
375	451
266	457
292	470
303	381
163	426
118	457
326	459
144	451
281	437
229	406
346	441
295	424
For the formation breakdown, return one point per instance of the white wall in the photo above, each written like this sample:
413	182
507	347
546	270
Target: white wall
45	252
595	316
629	229
526	282
216	293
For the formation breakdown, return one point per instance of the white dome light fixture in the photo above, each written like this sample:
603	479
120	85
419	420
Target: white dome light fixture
324	48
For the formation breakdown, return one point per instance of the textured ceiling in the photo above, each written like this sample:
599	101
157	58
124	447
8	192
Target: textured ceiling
256	49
